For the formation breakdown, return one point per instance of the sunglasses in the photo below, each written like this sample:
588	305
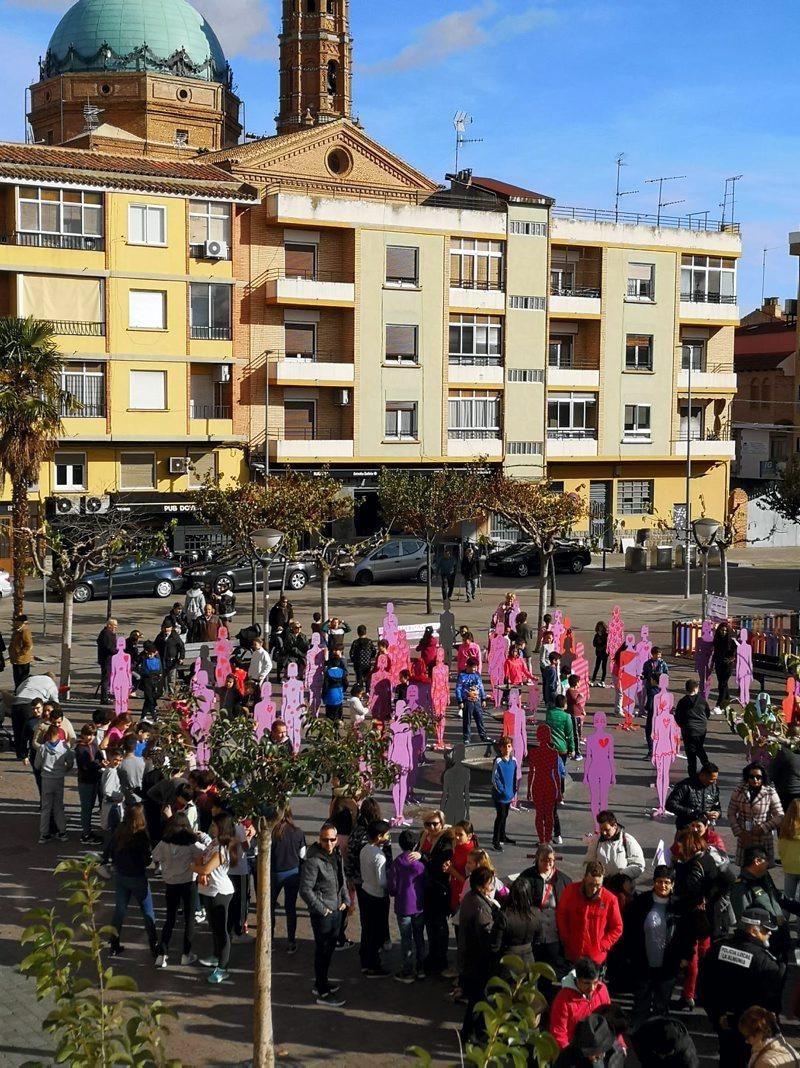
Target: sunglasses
756	778
432	823
329	841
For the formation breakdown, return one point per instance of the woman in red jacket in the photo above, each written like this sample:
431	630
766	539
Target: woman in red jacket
515	670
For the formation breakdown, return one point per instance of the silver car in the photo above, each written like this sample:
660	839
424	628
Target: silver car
397	558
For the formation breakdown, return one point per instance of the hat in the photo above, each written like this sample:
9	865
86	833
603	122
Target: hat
755	917
593	1036
752	853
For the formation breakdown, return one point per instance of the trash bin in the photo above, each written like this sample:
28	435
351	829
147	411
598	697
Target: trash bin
664	558
680	555
642	535
636	558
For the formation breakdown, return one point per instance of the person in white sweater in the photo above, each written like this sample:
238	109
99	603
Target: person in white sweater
617	851
179	848
374	898
260	663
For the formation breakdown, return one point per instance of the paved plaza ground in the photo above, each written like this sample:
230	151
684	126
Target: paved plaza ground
381	1018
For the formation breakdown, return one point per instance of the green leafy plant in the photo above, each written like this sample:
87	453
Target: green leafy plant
98	1018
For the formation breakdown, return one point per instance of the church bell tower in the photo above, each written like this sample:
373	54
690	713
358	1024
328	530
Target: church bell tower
316	55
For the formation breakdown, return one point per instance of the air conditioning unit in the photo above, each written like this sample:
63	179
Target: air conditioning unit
790	307
222	373
343	398
98	505
67	505
178	465
215	250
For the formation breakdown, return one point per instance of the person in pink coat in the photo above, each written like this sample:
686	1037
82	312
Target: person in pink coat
468	649
496	656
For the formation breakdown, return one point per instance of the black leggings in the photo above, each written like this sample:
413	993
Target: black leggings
217	915
600	666
240	906
499	833
178	895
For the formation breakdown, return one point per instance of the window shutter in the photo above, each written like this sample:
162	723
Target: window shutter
300	261
204	465
299	339
401	341
640	271
137	470
148	390
147	309
58	299
401	263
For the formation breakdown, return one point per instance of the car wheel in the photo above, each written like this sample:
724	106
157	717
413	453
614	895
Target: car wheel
576	566
523	569
164	588
224	584
363	578
296	580
82	593
422	574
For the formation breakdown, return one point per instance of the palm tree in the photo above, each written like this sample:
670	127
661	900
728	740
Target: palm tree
31	403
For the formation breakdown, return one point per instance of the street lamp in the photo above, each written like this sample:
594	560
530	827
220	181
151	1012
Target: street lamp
267	540
705	533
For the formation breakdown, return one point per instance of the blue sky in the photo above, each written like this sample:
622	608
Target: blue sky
557	89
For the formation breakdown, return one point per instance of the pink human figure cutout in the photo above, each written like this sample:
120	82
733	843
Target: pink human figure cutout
202	718
744	666
419	739
223	648
515	728
616	630
580	667
380	691
401	660
643	647
120	679
789	703
599	772
557	629
401	753
704	657
506	613
666	740
390	625
534	697
291	703
202	754
544	783
315	671
628	680
264	714
496	654
440	695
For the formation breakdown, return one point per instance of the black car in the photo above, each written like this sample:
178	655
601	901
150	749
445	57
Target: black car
155	576
522	559
233	573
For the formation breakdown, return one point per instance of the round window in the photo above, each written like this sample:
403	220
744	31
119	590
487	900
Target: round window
184	94
339	162
105	89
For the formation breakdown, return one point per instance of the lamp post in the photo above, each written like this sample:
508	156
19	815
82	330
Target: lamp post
267	541
705	532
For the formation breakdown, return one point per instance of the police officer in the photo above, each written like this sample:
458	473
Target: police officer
735	974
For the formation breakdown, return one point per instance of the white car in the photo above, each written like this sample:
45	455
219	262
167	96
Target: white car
6	584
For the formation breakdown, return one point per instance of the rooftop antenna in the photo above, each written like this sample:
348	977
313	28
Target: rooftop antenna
461	121
764	252
91	116
661	202
730	191
628	192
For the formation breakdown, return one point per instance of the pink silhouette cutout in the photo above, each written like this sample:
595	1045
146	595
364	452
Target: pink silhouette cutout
616	630
380	691
534	697
557	629
223	648
440	695
643	647
789	704
121	678
580	667
599	773
291	703
544	784
744	666
315	671
666	740
390	625
469	650
202	718
264	714
628	680
419	740
515	728
400	753
704	657
401	658
496	655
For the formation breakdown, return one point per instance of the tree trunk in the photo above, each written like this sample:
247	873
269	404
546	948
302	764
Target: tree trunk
284	575
428	599
551	564
543	577
723	563
324	580
19	547
254	599
66	637
263	1042
110	593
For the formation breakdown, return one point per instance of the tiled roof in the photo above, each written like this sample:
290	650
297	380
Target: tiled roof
510	192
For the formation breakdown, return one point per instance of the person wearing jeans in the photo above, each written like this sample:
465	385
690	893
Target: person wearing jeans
406	884
216	891
179	847
87	757
130	851
505	777
471	698
53	760
288	851
324	890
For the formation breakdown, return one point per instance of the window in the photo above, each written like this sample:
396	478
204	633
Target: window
638	352
562	280
527	375
402	266
474	414
527	229
299	420
74	305
401	344
300	341
301	261
401	420
208	221
525	448
476	339
635	496
572	415
476	264
86	385
210	311
70	471
637	422
695	423
500	529
147	309
641	281
708	279
148	391
137	470
147	224
60	218
527	303
202	465
210	391
693	354
559	353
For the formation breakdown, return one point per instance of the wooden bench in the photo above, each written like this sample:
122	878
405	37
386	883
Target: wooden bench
765	665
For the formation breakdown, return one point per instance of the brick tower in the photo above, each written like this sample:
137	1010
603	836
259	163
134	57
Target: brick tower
316	55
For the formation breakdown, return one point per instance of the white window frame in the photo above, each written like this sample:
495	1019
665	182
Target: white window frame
561	351
637	426
582	420
627	505
698	275
525	374
474	413
89	208
525	448
162	293
146	390
641	289
71	460
80	370
642	354
469	249
686	421
519	303
395	408
486	332
200	210
211	288
149	211
402	283
694	343
527	229
151	456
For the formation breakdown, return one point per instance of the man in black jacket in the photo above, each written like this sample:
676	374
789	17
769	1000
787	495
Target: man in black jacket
735	974
323	888
547	886
172	652
785	768
106	648
692	714
471	570
698	793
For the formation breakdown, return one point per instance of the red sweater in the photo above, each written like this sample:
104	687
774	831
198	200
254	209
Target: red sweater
587	928
570	1007
516	671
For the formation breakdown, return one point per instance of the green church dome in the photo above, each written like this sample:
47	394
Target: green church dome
169	36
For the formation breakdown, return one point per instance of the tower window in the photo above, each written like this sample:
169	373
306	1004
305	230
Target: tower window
339	162
333	76
311	7
183	94
105	89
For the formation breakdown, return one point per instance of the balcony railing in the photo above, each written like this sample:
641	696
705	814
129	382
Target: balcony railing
583	433
78	329
89	409
209	411
695	221
698	297
589	292
310	275
574	362
484	433
704	434
460	360
77	242
211	333
316	433
494	284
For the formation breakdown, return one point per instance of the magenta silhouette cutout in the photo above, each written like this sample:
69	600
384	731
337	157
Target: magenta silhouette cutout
291	704
534	698
390	625
580	667
628	681
643	647
121	678
557	629
469	651
744	666
616	630
202	717
704	657
440	695
401	753
401	658
419	740
315	672
496	655
380	691
544	783
223	649
789	703
264	714
666	740
515	728
599	773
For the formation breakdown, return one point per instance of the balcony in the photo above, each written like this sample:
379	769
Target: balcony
211	333
76	242
319	444
475	370
334	288
209	411
483	441
709	379
706	445
77	328
572	370
477	294
574	300
312	369
571	441
709	306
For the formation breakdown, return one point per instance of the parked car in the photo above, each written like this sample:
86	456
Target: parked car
234	573
522	559
159	577
396	558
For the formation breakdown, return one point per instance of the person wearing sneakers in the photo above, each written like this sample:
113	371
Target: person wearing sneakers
375	860
87	758
406	884
179	847
216	891
54	759
323	888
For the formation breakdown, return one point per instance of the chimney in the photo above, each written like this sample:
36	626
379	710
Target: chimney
772	308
